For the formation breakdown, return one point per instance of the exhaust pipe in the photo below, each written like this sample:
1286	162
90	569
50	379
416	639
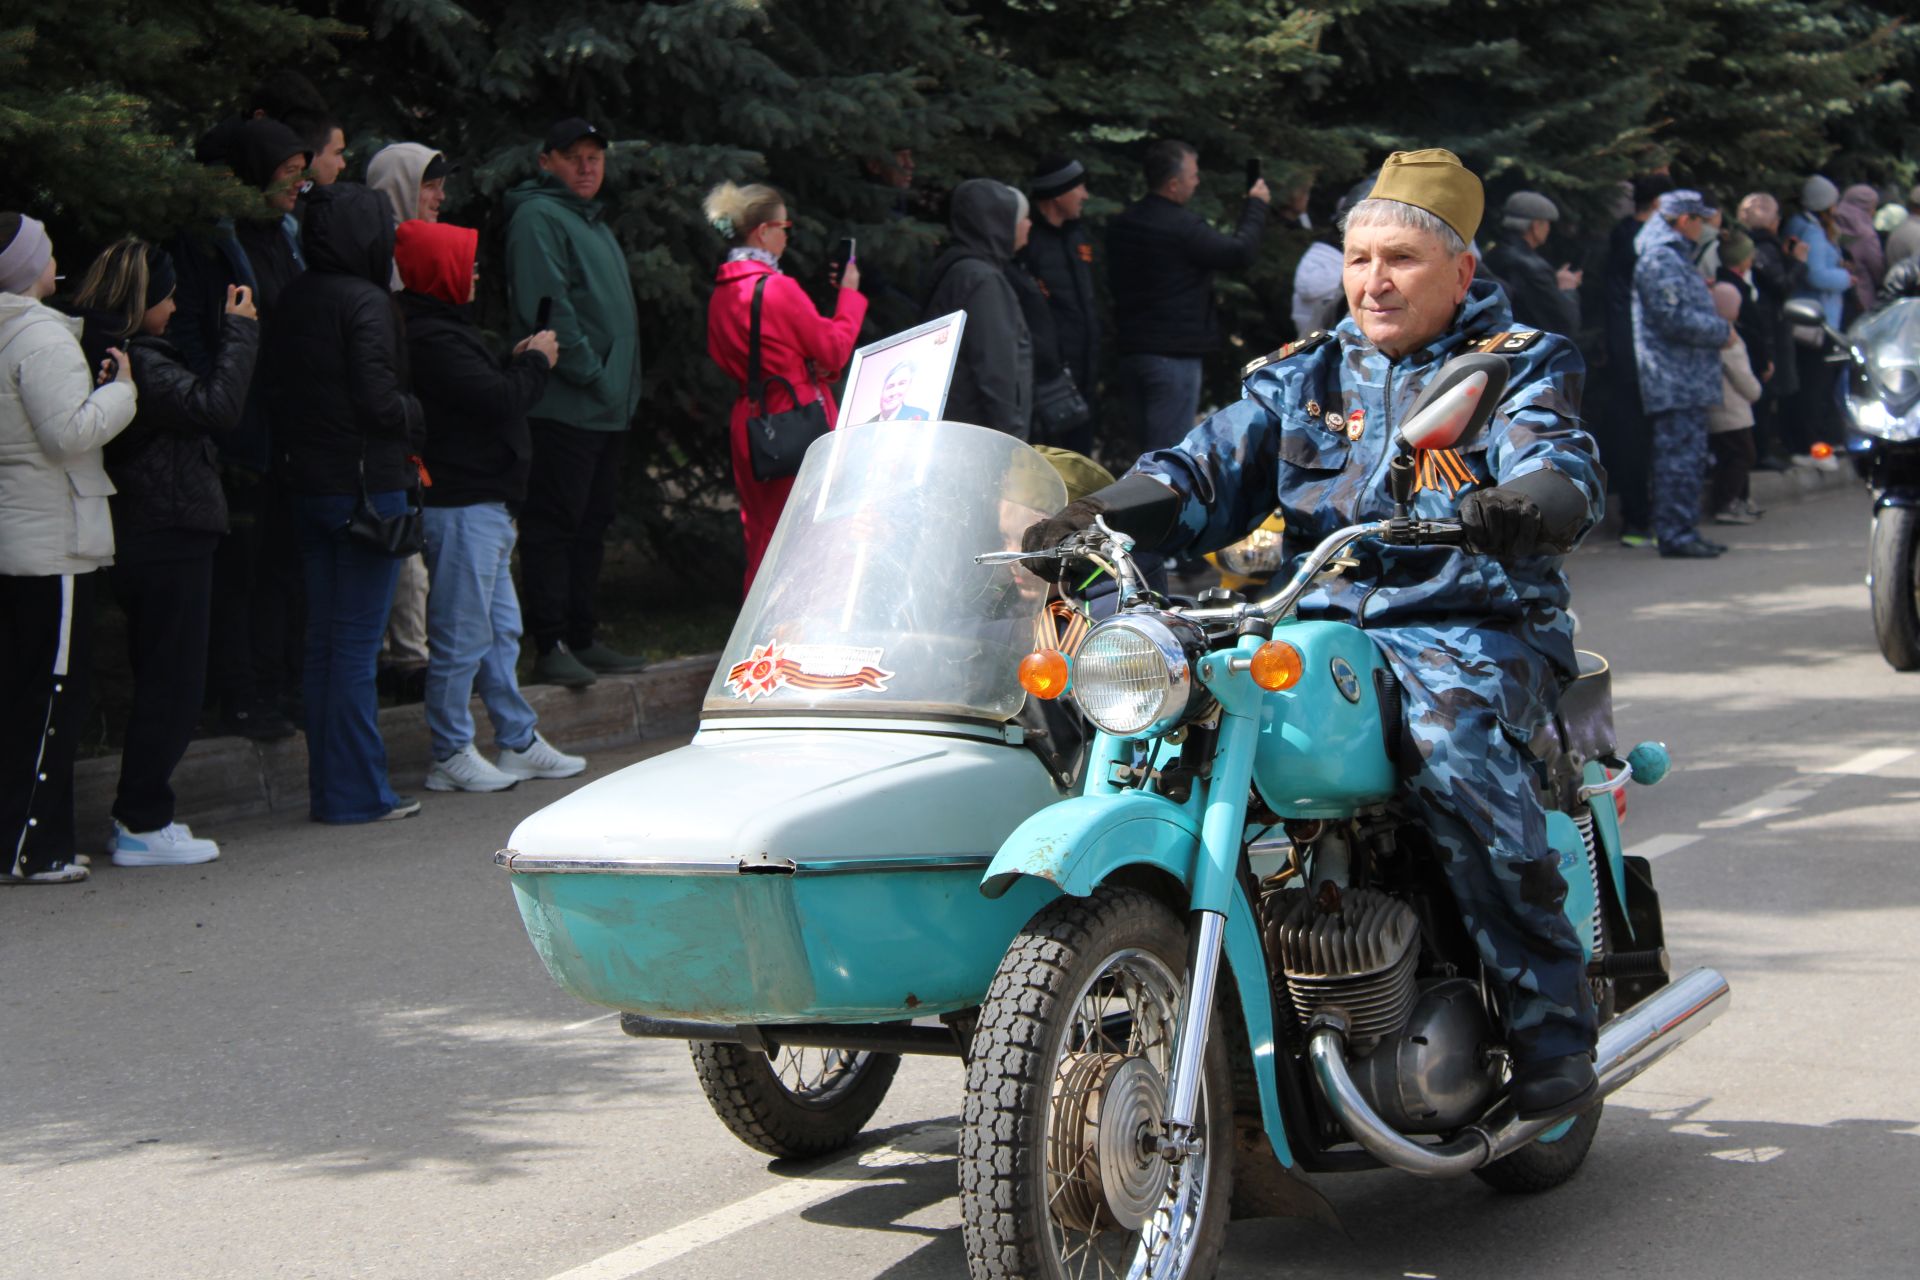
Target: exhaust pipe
1629	1044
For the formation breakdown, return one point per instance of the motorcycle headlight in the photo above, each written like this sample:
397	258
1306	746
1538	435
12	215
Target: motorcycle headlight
1258	555
1133	675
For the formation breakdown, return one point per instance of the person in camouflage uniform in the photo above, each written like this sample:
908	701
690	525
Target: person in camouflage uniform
1677	336
1481	642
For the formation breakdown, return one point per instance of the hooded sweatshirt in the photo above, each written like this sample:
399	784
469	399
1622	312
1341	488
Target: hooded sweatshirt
478	446
397	172
336	370
993	378
560	246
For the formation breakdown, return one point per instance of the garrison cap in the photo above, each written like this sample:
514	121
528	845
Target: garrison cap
1684	203
1436	181
1081	474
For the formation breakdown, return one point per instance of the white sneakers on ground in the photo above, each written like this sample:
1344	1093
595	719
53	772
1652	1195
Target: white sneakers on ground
541	759
468	770
173	845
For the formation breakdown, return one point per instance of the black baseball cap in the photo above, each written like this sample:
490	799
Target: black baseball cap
571	130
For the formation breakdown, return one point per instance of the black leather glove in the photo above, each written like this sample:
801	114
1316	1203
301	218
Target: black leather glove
1138	506
1538	514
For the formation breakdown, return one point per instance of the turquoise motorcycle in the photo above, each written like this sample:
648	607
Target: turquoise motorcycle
1251	965
1184	960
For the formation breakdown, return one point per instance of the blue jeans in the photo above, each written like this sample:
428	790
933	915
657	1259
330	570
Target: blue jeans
473	628
1165	391
349	589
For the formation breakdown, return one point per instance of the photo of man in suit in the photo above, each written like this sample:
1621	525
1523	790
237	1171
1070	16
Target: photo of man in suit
893	395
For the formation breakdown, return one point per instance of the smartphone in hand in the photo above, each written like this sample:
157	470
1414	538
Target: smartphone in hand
843	253
543	316
1253	172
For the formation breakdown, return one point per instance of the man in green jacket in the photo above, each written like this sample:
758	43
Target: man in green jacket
561	253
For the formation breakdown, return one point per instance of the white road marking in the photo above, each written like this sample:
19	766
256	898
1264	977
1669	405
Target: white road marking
1870	761
1770	805
1750	1155
1658	846
835	1179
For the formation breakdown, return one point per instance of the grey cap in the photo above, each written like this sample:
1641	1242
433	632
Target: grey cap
1530	205
1818	195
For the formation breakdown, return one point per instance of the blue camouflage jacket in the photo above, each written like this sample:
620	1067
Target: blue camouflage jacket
1312	437
1676	332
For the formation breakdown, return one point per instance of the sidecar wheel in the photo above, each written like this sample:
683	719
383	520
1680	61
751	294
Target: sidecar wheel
1064	1088
799	1103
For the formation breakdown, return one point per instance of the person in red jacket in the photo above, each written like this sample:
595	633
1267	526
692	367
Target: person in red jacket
797	343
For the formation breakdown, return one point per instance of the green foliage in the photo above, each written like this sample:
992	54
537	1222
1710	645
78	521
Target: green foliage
98	103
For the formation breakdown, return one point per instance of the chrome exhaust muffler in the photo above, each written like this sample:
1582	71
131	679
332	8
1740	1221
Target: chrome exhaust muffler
1629	1044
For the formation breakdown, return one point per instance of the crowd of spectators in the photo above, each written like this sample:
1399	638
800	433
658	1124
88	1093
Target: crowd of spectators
306	466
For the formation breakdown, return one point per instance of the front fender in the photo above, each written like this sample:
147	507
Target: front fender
1078	843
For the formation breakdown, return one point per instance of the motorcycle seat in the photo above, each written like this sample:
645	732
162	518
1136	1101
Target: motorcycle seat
1585	720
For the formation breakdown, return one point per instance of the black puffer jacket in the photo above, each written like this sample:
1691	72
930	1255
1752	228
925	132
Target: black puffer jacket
336	356
1161	257
164	465
478	445
993	380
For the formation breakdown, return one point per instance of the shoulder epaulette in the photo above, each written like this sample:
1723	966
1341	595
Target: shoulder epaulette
1510	344
1299	346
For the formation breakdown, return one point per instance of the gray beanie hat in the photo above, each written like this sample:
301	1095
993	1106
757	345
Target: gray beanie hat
1529	206
1818	195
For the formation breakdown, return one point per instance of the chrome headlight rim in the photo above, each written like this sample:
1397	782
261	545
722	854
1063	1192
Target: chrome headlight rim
1179	644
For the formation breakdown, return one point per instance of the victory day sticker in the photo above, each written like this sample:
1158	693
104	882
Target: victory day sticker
774	666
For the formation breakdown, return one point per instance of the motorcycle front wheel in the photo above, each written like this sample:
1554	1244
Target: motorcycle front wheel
799	1102
1894	570
1060	1174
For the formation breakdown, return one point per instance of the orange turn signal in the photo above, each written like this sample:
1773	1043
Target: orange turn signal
1821	449
1275	665
1043	673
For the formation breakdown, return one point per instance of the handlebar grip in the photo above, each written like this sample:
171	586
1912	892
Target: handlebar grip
1444	533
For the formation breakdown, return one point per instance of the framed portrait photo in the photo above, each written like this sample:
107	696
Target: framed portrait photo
903	378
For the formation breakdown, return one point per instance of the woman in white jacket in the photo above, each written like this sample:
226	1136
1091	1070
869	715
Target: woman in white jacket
55	530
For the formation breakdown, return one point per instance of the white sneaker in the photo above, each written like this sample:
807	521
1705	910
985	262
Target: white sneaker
467	770
173	845
541	760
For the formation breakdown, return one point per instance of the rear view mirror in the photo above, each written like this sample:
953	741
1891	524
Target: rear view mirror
1806	312
1457	403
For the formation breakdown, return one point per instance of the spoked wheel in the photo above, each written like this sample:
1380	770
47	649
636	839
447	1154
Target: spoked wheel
1895	562
1060	1171
800	1102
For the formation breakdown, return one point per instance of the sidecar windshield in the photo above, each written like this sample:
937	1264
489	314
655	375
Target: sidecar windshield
869	603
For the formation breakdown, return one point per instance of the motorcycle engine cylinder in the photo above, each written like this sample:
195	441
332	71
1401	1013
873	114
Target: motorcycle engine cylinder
1359	959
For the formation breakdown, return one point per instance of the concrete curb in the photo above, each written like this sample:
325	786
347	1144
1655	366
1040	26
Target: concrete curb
222	779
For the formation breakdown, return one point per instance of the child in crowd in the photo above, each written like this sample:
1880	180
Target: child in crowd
1730	423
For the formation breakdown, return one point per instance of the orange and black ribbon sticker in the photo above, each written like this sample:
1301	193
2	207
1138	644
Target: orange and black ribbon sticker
1443	469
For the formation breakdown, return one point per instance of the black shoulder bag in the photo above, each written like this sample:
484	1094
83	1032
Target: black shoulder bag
397	536
777	442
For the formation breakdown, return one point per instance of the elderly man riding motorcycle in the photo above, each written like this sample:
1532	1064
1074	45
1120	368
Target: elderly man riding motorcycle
1480	639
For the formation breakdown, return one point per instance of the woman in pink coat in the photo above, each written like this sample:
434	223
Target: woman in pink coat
796	342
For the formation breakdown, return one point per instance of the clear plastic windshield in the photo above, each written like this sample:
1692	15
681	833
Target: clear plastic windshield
869	602
1891	336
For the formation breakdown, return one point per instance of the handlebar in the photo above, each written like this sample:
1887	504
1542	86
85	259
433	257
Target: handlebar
1113	552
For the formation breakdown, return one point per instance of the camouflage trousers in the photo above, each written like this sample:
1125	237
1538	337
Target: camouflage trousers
1679	473
1473	699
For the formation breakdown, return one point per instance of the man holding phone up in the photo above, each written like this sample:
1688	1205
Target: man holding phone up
567	272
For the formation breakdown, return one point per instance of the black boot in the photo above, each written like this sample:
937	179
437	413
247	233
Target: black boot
1551	1085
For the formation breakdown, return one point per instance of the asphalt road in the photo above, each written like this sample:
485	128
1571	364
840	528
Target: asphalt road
334	1054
